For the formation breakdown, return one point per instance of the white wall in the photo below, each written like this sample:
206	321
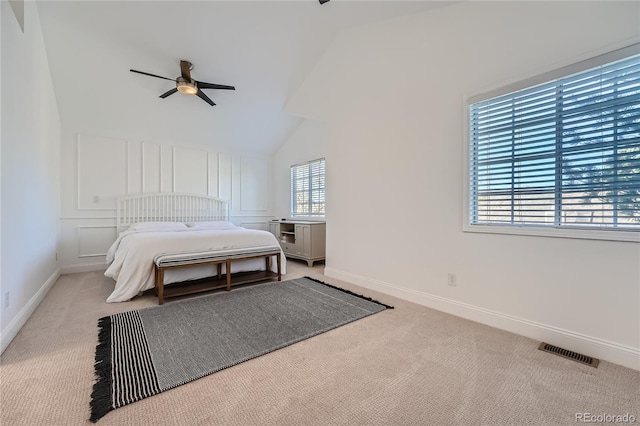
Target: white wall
308	142
30	171
1	309
392	98
98	166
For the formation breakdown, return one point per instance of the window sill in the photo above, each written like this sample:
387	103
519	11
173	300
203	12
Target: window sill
540	231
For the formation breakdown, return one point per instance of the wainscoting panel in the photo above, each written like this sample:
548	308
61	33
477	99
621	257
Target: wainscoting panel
190	170
84	243
254	225
102	171
213	177
150	167
224	177
166	168
254	179
94	241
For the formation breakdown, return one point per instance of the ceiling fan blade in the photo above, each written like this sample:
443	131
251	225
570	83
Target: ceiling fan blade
203	85
152	75
168	92
185	68
204	97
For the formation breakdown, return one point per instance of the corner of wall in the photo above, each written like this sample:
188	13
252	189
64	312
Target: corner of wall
8	333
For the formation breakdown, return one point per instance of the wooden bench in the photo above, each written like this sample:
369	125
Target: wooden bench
164	262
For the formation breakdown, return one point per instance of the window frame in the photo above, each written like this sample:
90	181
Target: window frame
292	193
610	234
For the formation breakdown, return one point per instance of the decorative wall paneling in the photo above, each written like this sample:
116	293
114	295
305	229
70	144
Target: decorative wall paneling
108	167
135	168
151	164
213	175
94	241
190	171
253	186
262	225
166	169
225	177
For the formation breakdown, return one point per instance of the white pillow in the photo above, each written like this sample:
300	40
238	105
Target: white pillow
218	224
158	226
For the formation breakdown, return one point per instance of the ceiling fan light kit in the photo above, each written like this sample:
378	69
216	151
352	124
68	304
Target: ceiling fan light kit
188	86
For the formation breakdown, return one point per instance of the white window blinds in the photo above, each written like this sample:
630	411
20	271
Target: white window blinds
565	153
307	189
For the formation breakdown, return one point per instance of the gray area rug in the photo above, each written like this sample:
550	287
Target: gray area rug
144	352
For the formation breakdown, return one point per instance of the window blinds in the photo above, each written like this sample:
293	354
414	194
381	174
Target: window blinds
564	153
308	189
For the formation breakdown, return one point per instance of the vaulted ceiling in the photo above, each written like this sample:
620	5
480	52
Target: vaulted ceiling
263	48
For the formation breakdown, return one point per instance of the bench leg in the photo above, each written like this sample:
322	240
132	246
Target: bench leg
219	270
279	268
228	265
155	278
160	285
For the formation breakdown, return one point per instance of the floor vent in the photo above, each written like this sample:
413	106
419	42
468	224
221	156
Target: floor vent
583	359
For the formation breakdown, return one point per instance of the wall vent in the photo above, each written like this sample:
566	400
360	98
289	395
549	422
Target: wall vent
582	359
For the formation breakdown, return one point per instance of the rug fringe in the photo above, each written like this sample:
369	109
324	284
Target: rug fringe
351	293
101	402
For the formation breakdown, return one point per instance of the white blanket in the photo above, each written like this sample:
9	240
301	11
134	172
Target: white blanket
130	257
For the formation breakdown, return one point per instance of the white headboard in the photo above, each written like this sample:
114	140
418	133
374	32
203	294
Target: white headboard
170	207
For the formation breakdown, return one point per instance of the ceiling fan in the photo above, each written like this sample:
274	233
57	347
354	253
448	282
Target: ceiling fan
188	86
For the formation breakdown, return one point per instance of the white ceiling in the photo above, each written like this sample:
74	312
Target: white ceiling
263	48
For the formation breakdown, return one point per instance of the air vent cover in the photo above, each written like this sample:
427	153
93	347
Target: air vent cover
583	359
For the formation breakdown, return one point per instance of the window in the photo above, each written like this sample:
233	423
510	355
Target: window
564	154
307	189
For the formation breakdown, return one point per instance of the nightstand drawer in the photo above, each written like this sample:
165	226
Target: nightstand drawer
288	247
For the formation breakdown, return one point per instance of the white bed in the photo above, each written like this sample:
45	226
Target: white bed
154	224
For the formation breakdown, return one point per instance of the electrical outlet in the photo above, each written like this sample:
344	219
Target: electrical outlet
451	279
6	299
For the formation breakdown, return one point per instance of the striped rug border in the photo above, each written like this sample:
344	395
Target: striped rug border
123	367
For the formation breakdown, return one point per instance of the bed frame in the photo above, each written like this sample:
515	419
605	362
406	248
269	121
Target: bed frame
169	207
177	207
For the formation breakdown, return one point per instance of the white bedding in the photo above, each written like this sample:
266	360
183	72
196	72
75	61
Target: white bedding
130	257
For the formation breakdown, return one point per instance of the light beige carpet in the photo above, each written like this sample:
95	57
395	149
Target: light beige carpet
407	366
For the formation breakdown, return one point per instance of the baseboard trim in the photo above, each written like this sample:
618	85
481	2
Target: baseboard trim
592	346
10	332
82	267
